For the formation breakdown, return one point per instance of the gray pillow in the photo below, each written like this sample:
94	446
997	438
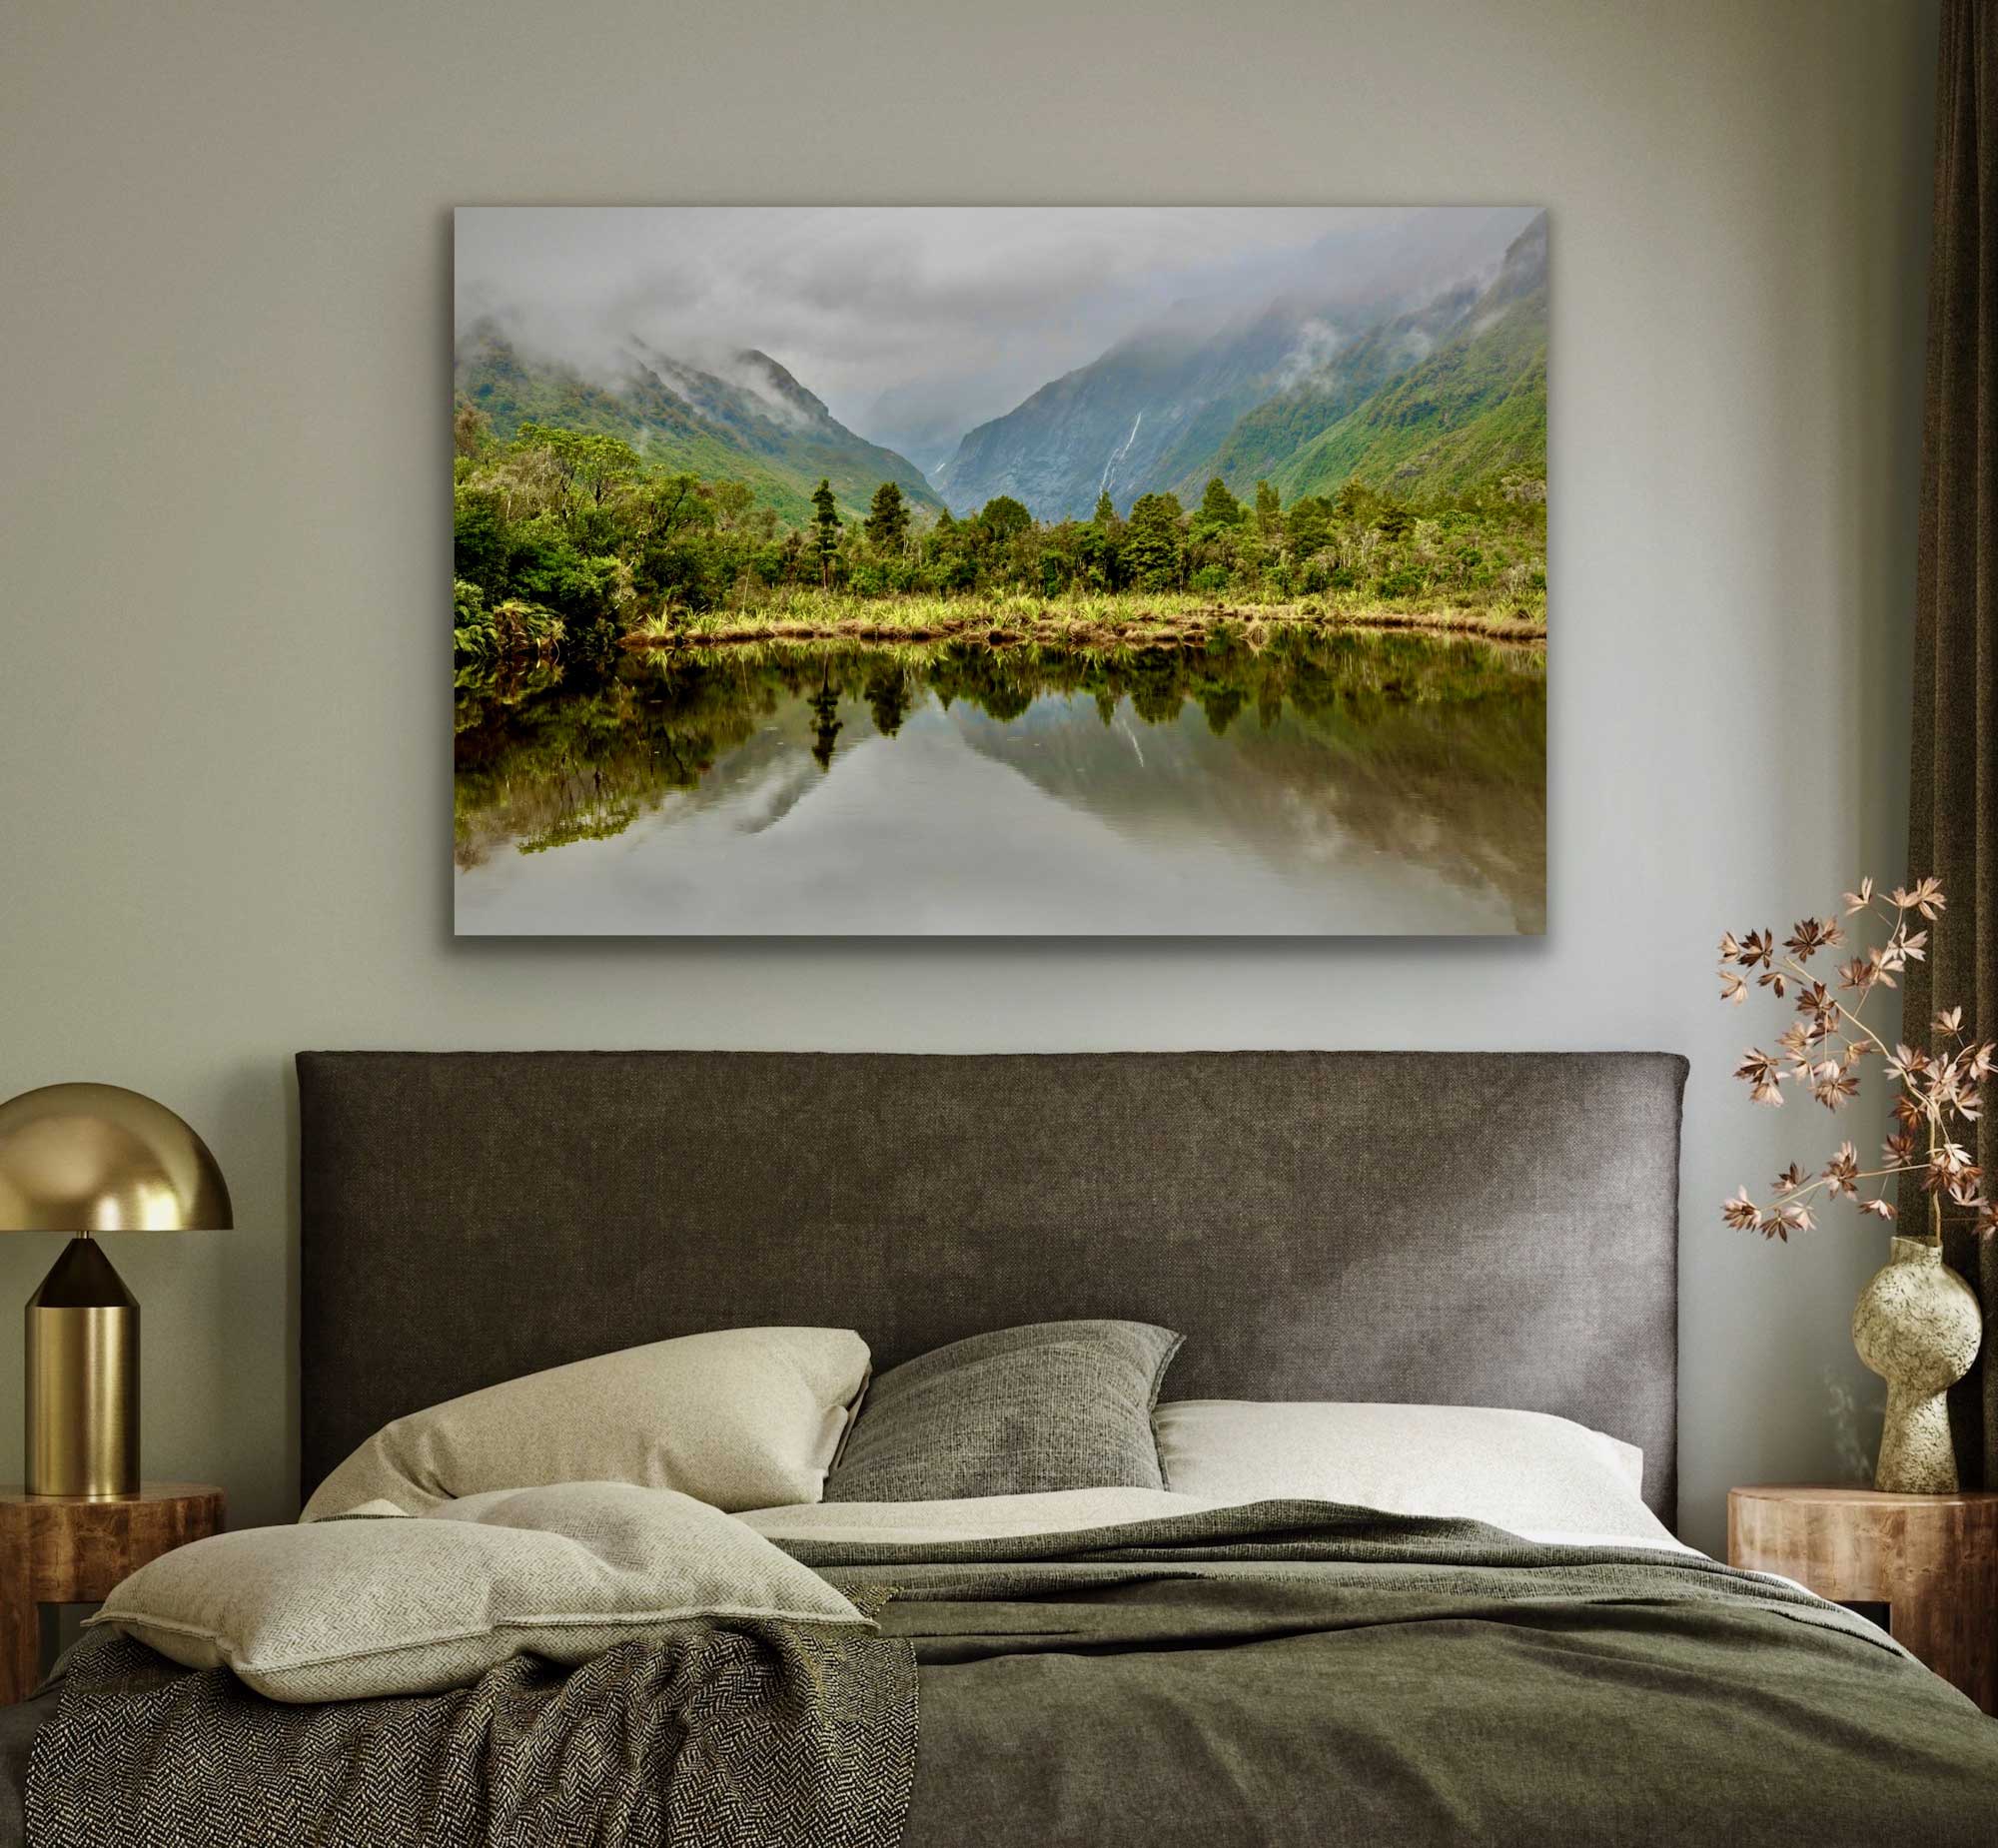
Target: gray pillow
1057	1405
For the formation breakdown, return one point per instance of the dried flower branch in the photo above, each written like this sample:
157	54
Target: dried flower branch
1823	1048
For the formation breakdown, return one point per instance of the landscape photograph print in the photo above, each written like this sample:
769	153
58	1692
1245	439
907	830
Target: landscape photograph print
1007	571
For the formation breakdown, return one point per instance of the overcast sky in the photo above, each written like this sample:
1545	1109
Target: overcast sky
915	324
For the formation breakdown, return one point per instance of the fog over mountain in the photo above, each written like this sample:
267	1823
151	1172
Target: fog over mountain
916	326
1416	390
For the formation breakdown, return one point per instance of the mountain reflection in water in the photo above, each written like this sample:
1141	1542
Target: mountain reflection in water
1325	781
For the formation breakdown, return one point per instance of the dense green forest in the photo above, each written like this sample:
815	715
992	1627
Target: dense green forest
568	541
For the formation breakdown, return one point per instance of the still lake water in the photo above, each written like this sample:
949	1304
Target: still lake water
1337	782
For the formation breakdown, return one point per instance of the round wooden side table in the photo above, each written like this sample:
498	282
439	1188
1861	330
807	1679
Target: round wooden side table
71	1549
1931	1560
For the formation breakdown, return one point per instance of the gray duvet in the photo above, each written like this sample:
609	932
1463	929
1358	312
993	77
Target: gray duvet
1299	1673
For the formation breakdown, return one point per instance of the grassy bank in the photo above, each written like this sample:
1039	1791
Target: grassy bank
1084	620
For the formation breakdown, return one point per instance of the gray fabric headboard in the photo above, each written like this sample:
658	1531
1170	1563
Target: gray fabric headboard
1485	1229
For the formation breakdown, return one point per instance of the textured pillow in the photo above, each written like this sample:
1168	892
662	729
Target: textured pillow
1058	1404
353	1608
739	1418
1521	1470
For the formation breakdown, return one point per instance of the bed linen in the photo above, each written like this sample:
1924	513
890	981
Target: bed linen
1293	1672
764	1735
1513	1470
1070	1510
971	1517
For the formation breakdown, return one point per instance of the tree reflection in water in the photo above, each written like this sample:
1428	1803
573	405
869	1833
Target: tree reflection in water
1428	747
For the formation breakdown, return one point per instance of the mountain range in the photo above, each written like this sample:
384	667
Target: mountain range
757	424
1418	398
1475	406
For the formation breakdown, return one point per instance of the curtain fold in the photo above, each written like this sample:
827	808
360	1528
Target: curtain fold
1953	800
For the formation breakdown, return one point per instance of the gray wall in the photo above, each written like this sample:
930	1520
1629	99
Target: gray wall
224	708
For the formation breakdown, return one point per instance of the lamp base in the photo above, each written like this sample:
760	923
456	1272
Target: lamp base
83	1379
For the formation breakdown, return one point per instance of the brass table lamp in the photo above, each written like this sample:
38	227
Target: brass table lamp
85	1159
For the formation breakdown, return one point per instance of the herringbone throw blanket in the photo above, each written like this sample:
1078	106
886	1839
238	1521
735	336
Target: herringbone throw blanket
769	1736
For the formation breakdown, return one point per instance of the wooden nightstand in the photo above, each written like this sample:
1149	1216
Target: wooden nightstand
66	1549
1931	1560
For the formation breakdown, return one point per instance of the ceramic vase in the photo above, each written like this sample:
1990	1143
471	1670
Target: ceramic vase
1917	1324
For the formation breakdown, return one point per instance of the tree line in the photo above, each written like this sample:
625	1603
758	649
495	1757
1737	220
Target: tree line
572	528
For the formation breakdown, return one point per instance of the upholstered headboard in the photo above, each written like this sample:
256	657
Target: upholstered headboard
1473	1229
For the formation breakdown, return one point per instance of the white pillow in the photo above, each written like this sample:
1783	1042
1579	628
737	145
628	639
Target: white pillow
352	1608
738	1419
1522	1470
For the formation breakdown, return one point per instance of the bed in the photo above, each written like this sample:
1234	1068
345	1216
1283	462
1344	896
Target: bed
1481	1230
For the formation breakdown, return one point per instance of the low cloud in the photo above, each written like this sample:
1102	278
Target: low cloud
918	323
1318	341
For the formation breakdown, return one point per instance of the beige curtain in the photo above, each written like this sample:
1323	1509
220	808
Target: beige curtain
1953	807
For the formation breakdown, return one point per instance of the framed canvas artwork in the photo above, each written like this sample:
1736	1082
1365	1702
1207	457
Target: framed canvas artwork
1000	572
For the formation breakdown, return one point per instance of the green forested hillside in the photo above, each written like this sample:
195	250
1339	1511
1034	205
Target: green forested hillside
1264	438
780	442
1474	409
1425	406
